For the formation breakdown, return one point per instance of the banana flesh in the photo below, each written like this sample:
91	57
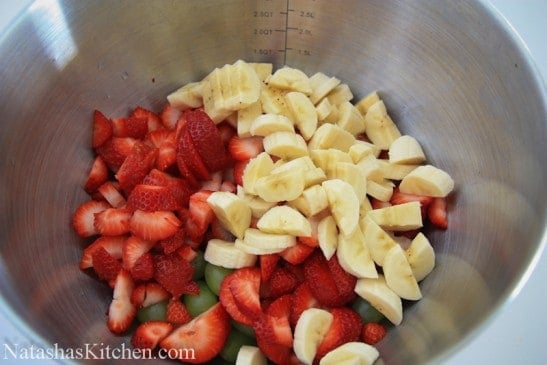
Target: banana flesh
309	331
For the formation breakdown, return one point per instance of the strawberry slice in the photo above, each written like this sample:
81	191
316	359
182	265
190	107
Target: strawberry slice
437	213
228	186
268	263
301	299
112	221
400	198
186	151
187	253
143	269
219	232
121	311
226	132
169	116
153	120
112	195
373	333
98	175
282	281
148	293
115	150
180	188
149	334
112	244
134	127
173	243
228	302
152	198
245	286
238	170
102	129
201	339
321	282
378	204
136	166
344	281
154	226
200	215
345	327
177	313
105	265
133	248
206	139
83	219
298	253
280	307
273	330
173	273
243	149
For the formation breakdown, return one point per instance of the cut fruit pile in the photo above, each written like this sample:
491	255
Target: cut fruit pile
260	215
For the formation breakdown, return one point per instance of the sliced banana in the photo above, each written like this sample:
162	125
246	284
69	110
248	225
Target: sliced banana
364	104
258	205
266	124
285	145
354	256
421	256
380	128
232	211
292	79
381	190
245	118
360	149
283	219
264	243
327	235
400	217
304	113
281	186
259	166
340	94
343	204
273	101
331	136
186	97
378	241
427	180
309	332
226	254
350	173
321	85
312	201
406	150
358	353
381	297
250	355
399	276
350	119
328	160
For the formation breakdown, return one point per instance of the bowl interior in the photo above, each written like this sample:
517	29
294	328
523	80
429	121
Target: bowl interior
451	75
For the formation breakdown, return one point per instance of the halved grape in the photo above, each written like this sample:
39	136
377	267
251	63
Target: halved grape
199	266
246	330
233	343
214	275
154	312
367	312
197	304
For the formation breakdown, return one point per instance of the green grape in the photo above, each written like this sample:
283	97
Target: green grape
197	304
367	312
234	342
214	276
246	330
154	312
199	266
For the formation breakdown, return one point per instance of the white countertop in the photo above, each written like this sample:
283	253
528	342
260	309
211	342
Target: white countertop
515	334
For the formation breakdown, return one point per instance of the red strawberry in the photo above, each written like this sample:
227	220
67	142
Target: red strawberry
83	219
149	334
154	226
121	311
160	137
147	294
111	194
112	221
280	307
238	170
245	286
153	120
105	265
281	282
228	186
344	281
219	232
177	313
200	215
206	138
133	248
273	330
268	263
204	335
134	127
400	198
187	151
115	150
301	299
373	333
112	244
346	327
180	188
152	198
243	149
167	157
143	269
228	302
437	213
378	204
226	132
185	172
136	166
213	183
173	273
97	176
102	129
186	252
321	282
297	254
173	243
169	116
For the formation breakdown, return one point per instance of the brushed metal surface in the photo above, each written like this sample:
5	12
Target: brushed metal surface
450	74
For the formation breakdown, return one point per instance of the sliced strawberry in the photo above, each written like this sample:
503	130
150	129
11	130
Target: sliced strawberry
205	336
111	194
180	188
187	253
228	186
437	213
297	254
344	281
243	149
400	198
136	166
219	232
153	120
245	286
83	219
160	137
97	176
186	173
378	204
228	302
173	273
282	281
112	244
177	313
102	129
200	215
173	243
105	265
167	157
121	311
238	170
187	151
112	221
152	198
214	183
206	139
133	248
143	269
373	333
169	116
345	327
115	150
280	307
149	334
312	240
301	299
268	263
226	132
147	294
273	330
321	282
154	226
134	127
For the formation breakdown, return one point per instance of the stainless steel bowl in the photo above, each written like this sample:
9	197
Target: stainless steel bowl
451	74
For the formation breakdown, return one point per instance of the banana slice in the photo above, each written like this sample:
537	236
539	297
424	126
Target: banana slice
380	128
263	70
331	136
226	254
304	113
381	190
292	79
285	145
273	101
250	355
323	109
343	204
280	186
312	201
427	180
259	166
421	256
359	149
186	97
232	211
258	205
340	94
350	173
269	123
358	353
245	118
399	276
354	256
380	296
283	219
364	104
321	85
329	159
394	171
400	217
406	150
261	243
309	331
378	241
327	235
350	119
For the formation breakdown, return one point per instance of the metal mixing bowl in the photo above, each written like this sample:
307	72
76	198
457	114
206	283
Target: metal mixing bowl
451	74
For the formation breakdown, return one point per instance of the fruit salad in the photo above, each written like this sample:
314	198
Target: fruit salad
261	216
